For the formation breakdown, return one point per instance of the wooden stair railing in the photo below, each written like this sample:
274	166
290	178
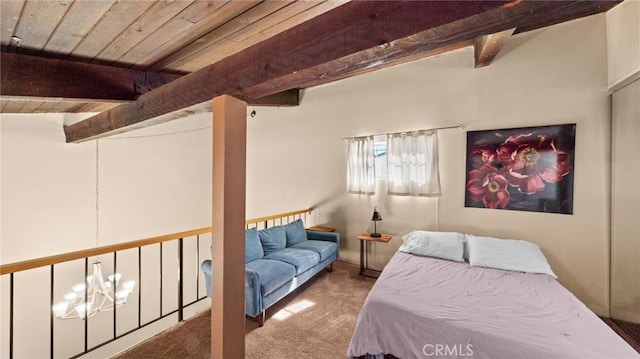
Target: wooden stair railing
65	257
51	261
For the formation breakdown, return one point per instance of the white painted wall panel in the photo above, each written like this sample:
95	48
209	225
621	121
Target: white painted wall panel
625	211
623	38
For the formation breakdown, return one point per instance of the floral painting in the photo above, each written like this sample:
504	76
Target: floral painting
524	169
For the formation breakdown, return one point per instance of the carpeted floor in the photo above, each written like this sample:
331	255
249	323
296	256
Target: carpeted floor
315	322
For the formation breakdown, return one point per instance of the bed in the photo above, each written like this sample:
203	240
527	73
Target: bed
424	307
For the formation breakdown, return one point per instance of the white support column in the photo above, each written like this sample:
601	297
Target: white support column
228	247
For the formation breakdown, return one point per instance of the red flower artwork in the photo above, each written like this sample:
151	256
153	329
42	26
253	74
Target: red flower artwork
535	161
488	186
522	169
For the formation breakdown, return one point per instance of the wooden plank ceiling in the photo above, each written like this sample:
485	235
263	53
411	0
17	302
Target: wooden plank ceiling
169	36
121	57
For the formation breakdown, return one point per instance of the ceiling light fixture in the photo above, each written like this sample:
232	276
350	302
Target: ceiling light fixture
97	294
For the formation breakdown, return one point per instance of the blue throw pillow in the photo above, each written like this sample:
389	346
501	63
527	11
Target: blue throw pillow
273	239
295	232
253	246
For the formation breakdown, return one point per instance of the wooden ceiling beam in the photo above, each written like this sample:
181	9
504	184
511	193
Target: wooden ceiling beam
39	78
349	28
531	15
353	38
487	47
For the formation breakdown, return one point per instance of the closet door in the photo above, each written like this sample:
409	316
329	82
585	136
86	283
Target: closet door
625	206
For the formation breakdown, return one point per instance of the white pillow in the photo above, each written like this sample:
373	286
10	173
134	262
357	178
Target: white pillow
445	245
508	254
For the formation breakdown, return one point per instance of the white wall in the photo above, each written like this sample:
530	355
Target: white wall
296	156
48	189
149	185
623	35
625	206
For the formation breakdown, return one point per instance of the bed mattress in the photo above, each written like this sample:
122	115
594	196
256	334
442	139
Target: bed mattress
423	307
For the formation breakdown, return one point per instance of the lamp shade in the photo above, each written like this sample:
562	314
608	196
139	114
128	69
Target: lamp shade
375	218
376	215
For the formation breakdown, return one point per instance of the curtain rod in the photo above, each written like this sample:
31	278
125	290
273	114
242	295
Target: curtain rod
461	126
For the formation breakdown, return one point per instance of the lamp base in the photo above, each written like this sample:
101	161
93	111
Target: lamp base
375	235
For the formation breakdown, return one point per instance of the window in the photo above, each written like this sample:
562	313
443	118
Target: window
360	165
408	160
413	164
380	155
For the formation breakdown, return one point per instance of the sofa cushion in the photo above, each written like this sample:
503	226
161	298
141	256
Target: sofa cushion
295	232
323	248
253	247
302	259
273	274
273	239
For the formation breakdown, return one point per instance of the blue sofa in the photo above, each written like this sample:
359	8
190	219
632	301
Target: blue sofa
278	260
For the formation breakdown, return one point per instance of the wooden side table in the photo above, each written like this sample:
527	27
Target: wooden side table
365	240
321	229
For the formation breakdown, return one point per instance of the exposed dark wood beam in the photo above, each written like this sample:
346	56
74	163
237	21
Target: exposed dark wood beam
41	78
350	39
350	28
487	47
532	15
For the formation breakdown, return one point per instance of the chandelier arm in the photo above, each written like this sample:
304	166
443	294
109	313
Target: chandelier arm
109	296
68	314
102	307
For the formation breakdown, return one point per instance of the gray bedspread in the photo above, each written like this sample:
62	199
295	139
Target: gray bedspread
424	307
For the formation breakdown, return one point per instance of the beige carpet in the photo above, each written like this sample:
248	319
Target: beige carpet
314	322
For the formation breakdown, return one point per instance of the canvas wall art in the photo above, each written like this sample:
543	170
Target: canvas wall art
523	169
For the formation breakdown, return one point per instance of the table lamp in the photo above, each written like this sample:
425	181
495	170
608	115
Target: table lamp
376	217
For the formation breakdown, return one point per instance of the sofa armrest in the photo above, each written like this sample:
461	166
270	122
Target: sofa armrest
324	236
252	292
206	269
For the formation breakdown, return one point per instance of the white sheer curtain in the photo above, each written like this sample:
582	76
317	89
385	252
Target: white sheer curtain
413	164
360	165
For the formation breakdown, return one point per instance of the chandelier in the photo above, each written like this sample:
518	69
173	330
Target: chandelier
96	294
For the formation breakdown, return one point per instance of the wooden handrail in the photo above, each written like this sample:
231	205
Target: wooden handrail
281	215
66	257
